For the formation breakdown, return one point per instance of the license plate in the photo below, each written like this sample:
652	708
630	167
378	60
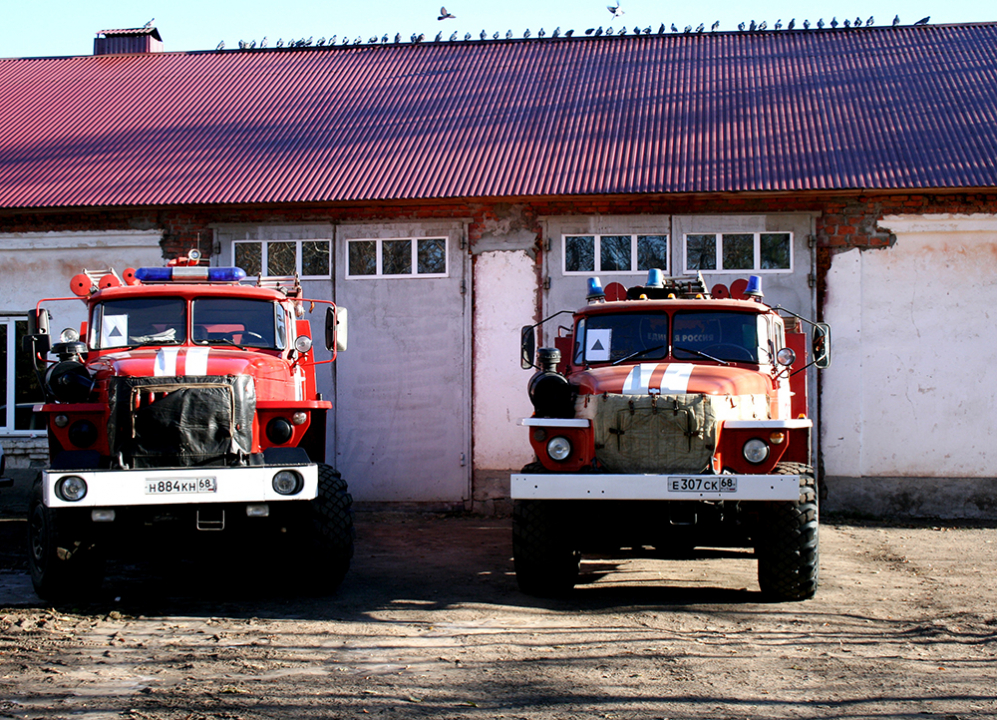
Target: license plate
721	484
180	486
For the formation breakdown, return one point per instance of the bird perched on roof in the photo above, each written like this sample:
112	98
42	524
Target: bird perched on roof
384	39
715	26
896	20
806	24
148	24
495	36
857	23
280	42
820	23
557	32
834	21
778	24
661	29
848	23
687	29
674	29
792	24
453	36
398	38
752	27
615	10
870	21
508	34
623	31
700	28
569	33
334	38
482	35
467	36
439	36
526	33
740	27
609	31
221	45
444	15
320	42
923	21
542	33
762	25
242	44
263	42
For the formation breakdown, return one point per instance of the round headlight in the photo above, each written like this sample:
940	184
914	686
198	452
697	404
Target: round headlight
755	451
288	482
299	418
71	488
786	357
279	431
69	335
559	448
82	433
61	420
302	344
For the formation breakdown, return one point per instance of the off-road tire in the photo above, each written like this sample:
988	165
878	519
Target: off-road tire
787	542
330	532
546	565
63	562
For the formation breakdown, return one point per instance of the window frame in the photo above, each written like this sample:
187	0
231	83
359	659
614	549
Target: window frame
756	253
597	253
414	250
9	420
298	254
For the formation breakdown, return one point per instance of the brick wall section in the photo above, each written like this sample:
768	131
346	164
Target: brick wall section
845	221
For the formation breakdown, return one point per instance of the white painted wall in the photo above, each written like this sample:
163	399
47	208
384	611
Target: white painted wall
912	390
39	265
505	292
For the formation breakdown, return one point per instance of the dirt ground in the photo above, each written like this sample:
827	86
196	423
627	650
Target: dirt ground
430	624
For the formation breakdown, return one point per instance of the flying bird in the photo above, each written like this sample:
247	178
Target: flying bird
444	15
615	10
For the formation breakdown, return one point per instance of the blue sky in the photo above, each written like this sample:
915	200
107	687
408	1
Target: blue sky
32	28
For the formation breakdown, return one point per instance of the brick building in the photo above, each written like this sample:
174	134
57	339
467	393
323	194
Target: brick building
448	193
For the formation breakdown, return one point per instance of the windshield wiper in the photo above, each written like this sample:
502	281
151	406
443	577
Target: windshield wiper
702	355
221	341
633	355
145	343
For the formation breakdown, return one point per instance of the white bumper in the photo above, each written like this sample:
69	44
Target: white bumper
592	486
116	488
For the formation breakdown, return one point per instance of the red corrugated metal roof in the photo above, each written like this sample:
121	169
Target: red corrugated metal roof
878	108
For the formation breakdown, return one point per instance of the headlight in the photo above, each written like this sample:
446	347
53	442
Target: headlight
299	418
288	482
82	433
71	488
279	431
69	335
302	344
786	357
755	451
559	448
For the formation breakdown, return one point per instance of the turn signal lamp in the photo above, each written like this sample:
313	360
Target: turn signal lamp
754	288
190	274
596	293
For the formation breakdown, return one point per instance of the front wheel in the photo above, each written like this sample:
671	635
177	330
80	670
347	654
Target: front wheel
545	564
787	542
63	563
330	532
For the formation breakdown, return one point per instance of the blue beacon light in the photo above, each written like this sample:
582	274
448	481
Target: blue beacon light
179	273
754	288
595	293
655	278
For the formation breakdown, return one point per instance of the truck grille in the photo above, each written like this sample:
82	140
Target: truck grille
654	433
181	421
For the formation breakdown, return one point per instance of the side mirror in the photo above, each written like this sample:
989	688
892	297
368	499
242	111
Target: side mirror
527	346
336	328
822	345
39	338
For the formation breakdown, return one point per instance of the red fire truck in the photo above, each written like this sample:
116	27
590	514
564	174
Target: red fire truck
666	419
185	403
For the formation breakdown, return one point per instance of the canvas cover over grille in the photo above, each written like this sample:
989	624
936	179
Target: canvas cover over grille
181	421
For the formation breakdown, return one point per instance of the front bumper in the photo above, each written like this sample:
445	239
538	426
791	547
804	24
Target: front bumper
116	488
595	486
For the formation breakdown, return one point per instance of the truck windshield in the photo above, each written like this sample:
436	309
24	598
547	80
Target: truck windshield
237	321
616	338
139	321
727	336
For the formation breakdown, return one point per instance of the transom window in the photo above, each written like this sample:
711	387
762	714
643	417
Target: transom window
737	252
282	258
615	253
396	257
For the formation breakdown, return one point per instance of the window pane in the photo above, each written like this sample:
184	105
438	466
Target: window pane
432	256
700	252
27	391
775	250
396	257
248	256
579	253
739	252
652	252
281	258
315	257
615	253
363	257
